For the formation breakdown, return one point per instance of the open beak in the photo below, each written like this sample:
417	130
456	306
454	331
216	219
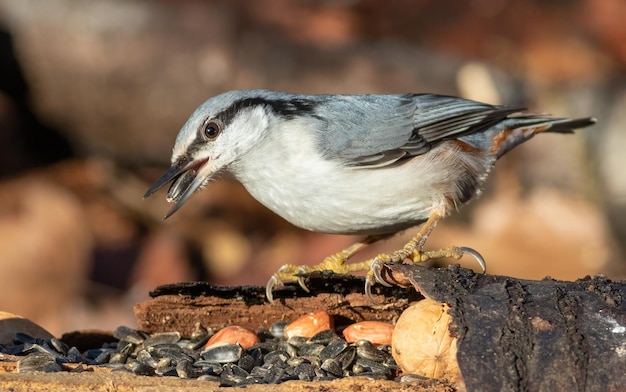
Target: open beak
185	181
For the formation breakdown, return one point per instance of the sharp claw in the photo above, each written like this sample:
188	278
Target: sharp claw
376	268
269	288
301	271
479	258
368	290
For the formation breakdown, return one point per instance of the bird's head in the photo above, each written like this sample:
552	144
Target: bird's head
216	135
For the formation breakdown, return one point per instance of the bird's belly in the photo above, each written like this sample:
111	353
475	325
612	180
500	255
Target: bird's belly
333	198
353	208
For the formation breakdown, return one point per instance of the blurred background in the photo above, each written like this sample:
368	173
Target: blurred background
93	93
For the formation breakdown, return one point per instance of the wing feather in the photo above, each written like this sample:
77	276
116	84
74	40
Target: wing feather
379	130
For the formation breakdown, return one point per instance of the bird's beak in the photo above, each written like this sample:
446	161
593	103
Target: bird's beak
186	181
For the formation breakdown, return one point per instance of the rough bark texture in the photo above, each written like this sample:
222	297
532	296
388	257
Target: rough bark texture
522	335
178	307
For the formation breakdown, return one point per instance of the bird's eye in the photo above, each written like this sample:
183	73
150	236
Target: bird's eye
212	129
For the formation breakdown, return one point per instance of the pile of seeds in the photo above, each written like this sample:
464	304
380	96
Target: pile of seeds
274	359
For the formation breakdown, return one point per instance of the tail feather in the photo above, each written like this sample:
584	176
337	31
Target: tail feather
521	127
568	125
554	124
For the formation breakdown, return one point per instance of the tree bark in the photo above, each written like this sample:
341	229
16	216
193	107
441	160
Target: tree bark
523	335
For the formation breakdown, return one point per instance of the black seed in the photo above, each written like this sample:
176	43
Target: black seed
232	375
126	349
102	358
74	356
366	350
197	342
295	361
278	329
274	375
121	356
324	337
129	335
167	372
297	341
259	372
139	368
332	366
59	346
237	370
246	362
266	346
174	352
185	369
325	356
44	348
310	349
38	361
164	347
164	366
277	357
146	358
333	349
200	332
372	366
257	355
346	357
288	348
162	338
263	335
209	367
287	376
305	371
226	353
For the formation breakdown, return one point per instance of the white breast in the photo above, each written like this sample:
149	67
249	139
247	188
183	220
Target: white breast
286	174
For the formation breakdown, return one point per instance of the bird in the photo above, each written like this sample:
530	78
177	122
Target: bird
370	165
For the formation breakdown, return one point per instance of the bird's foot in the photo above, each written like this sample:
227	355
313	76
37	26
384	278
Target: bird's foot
337	263
374	274
294	273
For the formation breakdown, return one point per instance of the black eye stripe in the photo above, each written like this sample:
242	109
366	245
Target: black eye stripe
287	109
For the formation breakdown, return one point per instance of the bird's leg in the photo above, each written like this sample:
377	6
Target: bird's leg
335	263
413	251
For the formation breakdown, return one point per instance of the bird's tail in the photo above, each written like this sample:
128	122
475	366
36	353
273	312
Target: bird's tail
560	125
520	127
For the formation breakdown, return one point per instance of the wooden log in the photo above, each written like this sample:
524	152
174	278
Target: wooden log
178	307
524	335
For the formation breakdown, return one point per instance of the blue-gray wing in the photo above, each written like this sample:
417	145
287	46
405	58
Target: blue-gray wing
378	130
